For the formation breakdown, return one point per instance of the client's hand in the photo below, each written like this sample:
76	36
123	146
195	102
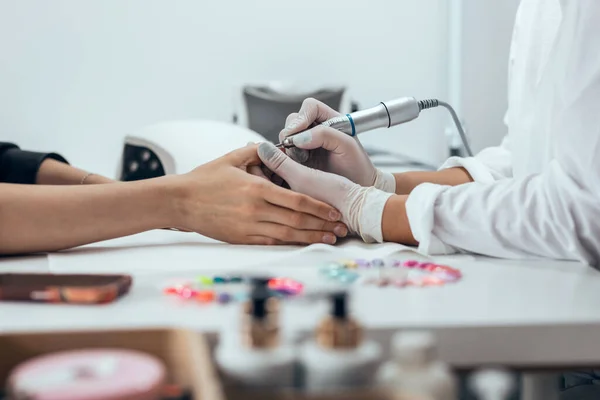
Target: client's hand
330	150
361	207
223	201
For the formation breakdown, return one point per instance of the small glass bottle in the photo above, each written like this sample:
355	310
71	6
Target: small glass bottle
491	384
338	357
414	371
256	357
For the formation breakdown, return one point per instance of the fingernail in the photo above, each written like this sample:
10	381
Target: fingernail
334	215
267	151
329	238
302	138
340	231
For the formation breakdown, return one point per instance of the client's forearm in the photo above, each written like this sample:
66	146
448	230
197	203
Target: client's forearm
54	172
36	218
407	181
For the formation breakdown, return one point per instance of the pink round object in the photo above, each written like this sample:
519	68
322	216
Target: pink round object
99	374
187	293
432	281
293	285
430	267
426	265
411	263
276	283
451	277
286	284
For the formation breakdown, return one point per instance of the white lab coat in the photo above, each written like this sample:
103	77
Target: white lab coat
538	193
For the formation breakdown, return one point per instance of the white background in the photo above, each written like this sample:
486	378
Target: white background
76	76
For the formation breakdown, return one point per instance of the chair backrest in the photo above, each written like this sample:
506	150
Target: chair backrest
267	109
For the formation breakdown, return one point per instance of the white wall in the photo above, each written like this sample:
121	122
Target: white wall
76	76
487	31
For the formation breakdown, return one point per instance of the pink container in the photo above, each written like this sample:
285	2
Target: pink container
97	374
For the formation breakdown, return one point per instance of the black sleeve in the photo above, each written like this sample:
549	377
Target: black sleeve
19	166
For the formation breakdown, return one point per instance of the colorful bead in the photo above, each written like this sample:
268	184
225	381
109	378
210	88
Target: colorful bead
432	281
205	296
205	280
362	263
351	264
450	277
327	268
294	285
348	277
411	263
430	267
171	290
431	274
219	280
378	262
335	273
275	283
186	292
236	279
223	298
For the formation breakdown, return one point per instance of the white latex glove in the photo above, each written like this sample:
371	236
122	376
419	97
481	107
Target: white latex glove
361	207
330	150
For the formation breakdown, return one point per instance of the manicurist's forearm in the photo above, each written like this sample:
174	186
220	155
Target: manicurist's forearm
407	181
394	224
37	218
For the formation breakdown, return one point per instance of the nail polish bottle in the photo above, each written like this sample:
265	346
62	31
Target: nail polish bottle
256	357
491	384
338	357
415	371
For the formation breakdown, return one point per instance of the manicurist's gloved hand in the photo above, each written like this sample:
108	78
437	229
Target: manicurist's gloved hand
361	207
330	150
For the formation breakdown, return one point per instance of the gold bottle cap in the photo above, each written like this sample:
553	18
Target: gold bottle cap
335	333
339	330
260	321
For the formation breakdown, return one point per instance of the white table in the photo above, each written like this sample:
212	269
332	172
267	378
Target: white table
522	314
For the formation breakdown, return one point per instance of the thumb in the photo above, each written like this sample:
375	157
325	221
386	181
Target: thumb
312	111
324	137
244	156
278	162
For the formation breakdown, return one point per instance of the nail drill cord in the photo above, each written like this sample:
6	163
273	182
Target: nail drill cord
431	103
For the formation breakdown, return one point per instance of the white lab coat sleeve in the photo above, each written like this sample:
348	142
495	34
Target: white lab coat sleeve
556	213
489	165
